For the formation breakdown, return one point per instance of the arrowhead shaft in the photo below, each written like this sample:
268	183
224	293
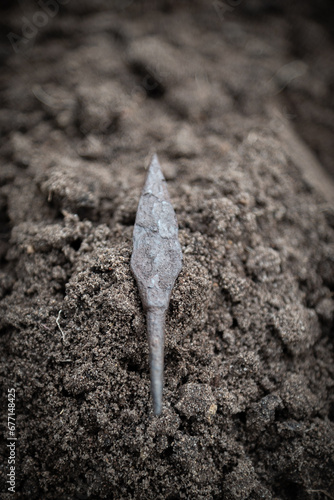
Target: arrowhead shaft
156	332
156	262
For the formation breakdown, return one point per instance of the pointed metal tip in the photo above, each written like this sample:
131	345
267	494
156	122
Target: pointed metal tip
154	180
155	162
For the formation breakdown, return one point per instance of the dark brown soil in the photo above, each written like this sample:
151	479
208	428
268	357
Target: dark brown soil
249	363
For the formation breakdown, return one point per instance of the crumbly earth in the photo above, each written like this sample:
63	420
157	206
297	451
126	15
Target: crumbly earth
249	366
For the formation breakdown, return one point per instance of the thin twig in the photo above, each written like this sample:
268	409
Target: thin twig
57	321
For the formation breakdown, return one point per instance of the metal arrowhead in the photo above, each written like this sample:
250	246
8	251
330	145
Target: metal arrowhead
156	263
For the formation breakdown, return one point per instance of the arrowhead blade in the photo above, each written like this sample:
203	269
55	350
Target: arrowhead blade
157	257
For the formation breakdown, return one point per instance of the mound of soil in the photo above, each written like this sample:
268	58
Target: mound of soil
248	409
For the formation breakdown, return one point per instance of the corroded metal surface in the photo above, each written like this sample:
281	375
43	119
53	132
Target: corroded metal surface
156	262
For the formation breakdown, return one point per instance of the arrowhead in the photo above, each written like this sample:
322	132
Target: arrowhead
156	262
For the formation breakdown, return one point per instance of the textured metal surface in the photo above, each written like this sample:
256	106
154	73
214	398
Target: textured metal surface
156	262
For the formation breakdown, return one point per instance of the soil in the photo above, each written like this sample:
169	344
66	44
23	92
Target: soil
248	410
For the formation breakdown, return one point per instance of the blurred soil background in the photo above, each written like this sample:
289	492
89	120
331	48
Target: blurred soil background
237	99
